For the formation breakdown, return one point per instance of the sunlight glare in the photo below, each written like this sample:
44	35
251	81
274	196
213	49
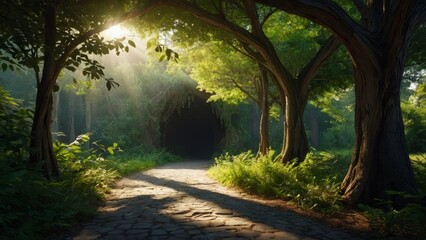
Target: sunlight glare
116	31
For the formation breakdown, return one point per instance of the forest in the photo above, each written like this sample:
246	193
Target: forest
319	103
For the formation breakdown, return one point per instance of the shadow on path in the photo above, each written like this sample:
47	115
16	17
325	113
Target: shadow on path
175	202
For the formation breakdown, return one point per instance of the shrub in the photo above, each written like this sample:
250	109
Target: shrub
312	184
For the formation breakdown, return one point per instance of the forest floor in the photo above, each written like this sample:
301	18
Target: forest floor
180	201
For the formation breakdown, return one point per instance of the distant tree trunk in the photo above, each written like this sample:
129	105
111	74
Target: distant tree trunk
314	130
88	116
71	117
41	138
55	118
264	111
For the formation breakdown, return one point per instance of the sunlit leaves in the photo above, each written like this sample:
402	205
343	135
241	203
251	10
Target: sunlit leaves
223	72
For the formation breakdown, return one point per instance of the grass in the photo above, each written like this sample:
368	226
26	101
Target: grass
315	184
127	163
312	184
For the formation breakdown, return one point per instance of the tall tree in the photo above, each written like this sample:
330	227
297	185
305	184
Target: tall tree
53	35
377	42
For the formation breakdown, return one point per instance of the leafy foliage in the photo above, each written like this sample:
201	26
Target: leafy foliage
312	184
414	112
31	207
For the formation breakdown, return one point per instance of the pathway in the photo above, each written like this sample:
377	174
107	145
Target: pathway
179	201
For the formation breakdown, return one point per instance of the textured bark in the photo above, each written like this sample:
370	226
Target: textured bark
264	111
380	161
41	138
296	142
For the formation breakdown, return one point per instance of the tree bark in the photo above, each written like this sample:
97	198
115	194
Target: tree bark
380	161
41	137
295	139
264	112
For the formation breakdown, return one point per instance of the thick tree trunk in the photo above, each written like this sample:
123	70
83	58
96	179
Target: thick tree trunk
41	138
380	161
264	111
295	138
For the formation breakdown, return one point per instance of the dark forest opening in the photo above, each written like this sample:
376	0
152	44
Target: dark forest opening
193	132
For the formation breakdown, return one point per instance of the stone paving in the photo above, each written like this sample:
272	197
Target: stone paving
179	201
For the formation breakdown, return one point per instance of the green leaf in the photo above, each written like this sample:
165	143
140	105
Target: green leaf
126	49
110	150
162	58
72	69
149	44
169	53
56	88
131	43
109	86
4	66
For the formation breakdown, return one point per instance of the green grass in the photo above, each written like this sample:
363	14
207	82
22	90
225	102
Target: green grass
130	162
312	184
315	184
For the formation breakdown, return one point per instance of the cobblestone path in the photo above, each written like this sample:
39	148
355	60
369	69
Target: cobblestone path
179	201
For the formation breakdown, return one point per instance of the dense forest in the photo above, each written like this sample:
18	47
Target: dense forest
328	96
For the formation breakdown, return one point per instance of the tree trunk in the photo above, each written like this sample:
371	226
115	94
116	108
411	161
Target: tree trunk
88	115
380	161
55	113
264	111
295	140
41	138
71	116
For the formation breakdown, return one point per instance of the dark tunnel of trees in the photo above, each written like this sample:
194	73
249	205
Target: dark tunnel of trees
194	131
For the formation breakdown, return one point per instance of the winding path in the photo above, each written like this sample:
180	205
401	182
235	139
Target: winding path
179	201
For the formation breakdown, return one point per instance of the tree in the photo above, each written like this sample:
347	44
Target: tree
377	40
57	35
293	90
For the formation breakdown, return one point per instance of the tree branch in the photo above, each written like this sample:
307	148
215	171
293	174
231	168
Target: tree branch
359	41
268	15
312	68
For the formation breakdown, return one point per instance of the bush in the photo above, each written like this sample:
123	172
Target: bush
312	184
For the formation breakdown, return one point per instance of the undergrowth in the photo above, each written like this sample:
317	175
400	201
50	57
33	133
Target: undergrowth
315	184
32	207
312	184
407	222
